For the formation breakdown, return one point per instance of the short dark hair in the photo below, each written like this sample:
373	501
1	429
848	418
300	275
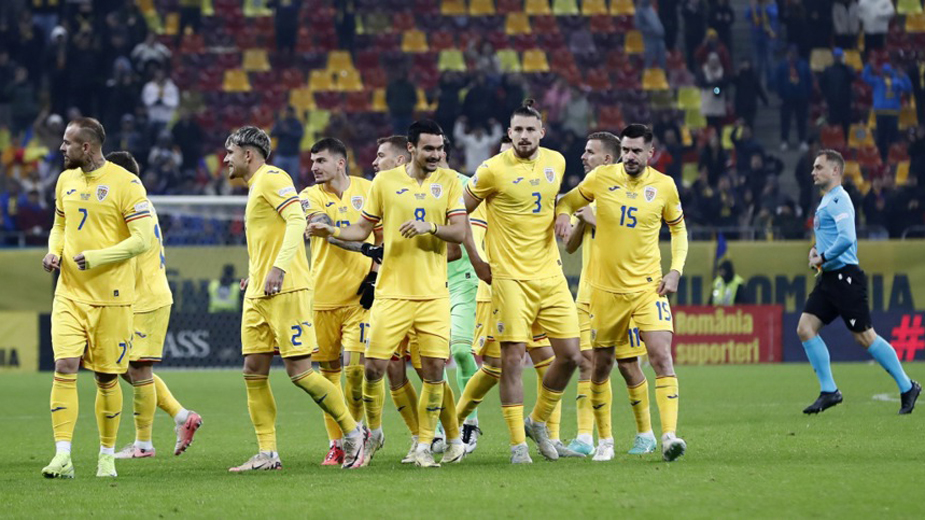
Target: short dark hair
250	136
610	142
90	129
330	144
423	126
125	160
526	109
399	142
635	131
447	145
833	156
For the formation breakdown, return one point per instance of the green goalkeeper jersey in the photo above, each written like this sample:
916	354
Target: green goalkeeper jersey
460	275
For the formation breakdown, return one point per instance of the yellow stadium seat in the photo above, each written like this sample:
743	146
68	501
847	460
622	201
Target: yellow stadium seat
593	7
633	43
860	136
423	105
146	6
907	7
535	7
902	172
853	59
689	98
451	59
171	24
414	41
689	173
255	60
726	139
302	99
320	81
481	7
517	23
564	7
853	172
661	100
348	81
820	59
379	104
339	60
236	81
622	8
535	61
694	119
654	79
318	120
510	61
453	7
908	117
915	23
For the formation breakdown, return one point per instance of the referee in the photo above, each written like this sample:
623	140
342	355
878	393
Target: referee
841	289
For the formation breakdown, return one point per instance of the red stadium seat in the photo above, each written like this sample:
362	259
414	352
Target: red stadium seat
375	78
545	24
610	118
869	158
832	136
357	102
898	152
442	40
602	24
598	79
402	22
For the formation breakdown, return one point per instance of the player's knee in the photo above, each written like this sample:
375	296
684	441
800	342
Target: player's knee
67	366
373	372
805	331
461	351
629	368
105	378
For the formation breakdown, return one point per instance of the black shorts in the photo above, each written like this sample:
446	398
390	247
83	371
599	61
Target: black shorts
842	292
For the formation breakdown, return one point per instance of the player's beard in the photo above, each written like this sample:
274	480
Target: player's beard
639	168
525	154
72	163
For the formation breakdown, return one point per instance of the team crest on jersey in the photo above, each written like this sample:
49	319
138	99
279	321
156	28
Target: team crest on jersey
101	192
357	202
550	174
649	193
436	190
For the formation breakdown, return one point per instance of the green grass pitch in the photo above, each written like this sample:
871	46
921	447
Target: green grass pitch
751	453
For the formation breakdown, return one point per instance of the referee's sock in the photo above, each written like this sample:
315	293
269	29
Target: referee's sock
818	355
884	353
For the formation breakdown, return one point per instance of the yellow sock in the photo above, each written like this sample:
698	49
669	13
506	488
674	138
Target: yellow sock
353	391
373	395
406	402
448	413
165	399
584	410
144	403
262	408
666	396
476	389
333	429
64	406
514	417
555	418
639	402
429	406
328	397
108	411
601	399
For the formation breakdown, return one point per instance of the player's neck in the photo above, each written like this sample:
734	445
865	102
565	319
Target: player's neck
95	163
827	189
415	172
338	184
252	169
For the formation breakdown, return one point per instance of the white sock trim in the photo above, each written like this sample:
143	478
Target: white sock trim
107	451
63	446
181	416
144	445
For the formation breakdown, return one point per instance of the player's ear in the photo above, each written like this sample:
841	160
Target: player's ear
542	131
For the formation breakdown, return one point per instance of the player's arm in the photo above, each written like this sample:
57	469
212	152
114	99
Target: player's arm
674	216
846	234
141	239
582	218
52	260
453	252
454	231
356	232
568	204
292	243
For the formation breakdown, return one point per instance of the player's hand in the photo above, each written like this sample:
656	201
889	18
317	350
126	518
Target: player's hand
669	284
563	226
274	281
482	270
374	252
81	261
244	284
413	228
367	290
586	215
51	262
320	229
815	259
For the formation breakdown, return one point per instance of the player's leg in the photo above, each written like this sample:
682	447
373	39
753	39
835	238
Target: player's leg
584	441
186	422
542	356
511	391
486	378
431	330
329	334
819	310
462	320
355	332
405	398
144	404
68	339
637	389
885	355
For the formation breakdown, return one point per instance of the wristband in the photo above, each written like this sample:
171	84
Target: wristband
434	230
336	232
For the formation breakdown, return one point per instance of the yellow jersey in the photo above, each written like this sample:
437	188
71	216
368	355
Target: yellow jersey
629	218
478	219
151	287
336	272
96	208
415	268
271	193
521	199
587	243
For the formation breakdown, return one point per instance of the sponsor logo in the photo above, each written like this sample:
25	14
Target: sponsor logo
613	188
187	344
328	204
399	192
72	190
113	416
357	202
436	190
518	179
101	192
650	192
58	409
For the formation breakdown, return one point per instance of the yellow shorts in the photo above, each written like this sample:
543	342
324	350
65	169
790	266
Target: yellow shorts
546	303
584	324
392	320
613	315
408	350
634	348
100	336
279	324
150	332
340	330
484	343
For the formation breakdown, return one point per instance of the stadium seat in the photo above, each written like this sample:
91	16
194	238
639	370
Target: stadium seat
853	172
414	41
546	26
375	78
256	60
510	61
481	7
357	102
379	104
508	6
442	40
622	8
832	136
318	120
859	136
593	7
602	24
726	139
564	7
423	105
535	7
869	158
902	173
348	81
853	59
339	60
654	79
633	43
453	7
915	23
907	7
517	23
820	58
661	100
610	118
236	81
694	119
451	59
689	98
320	81
535	61
171	24
898	152
908	117
403	21
598	79
302	99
